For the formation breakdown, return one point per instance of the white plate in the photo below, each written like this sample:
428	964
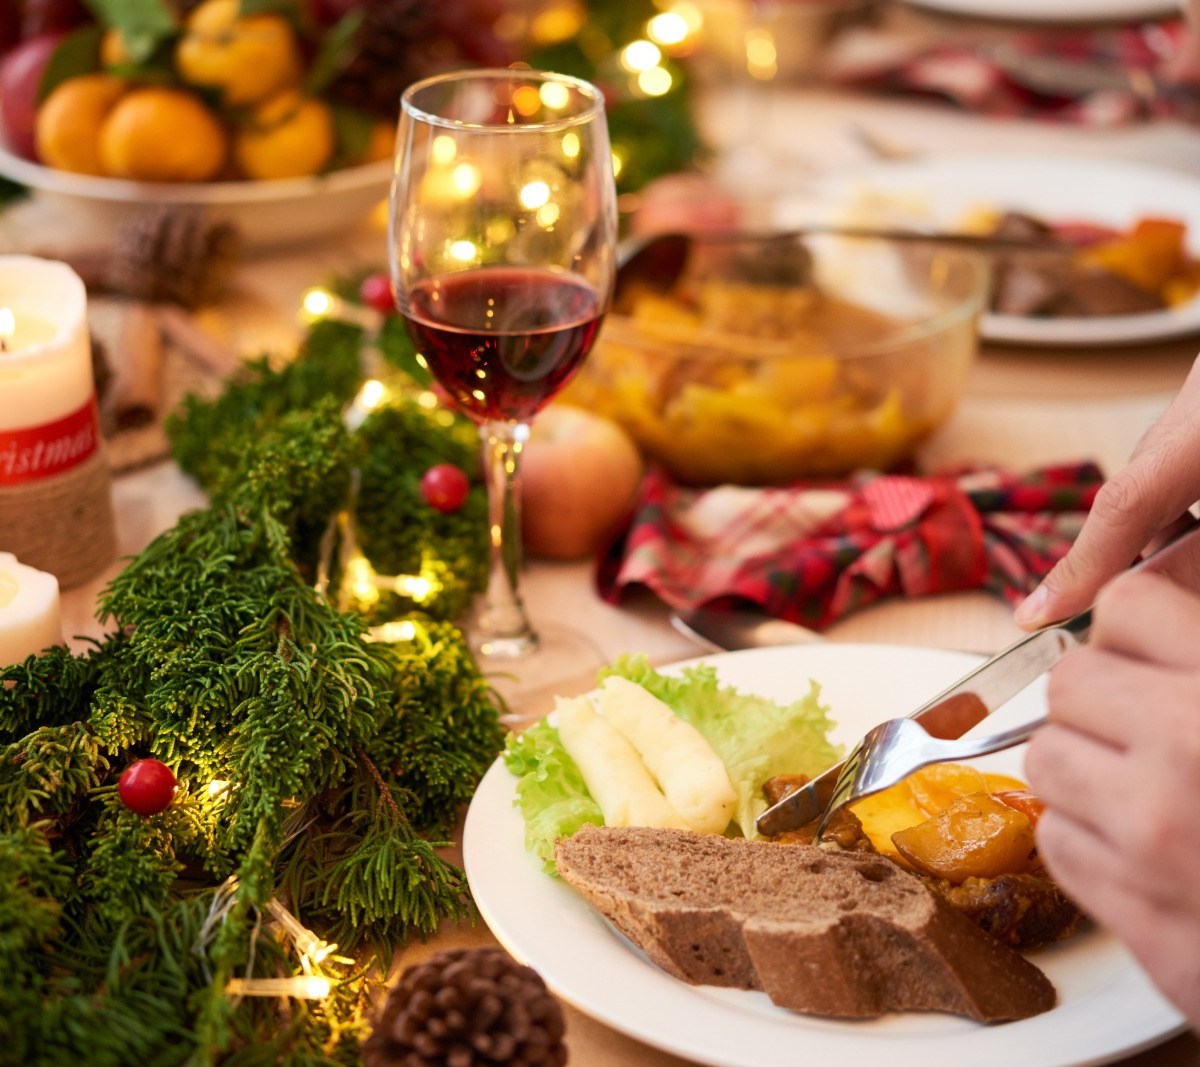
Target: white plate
1077	11
1107	1007
942	191
266	213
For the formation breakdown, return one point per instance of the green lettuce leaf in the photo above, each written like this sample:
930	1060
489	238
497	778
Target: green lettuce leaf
756	738
550	791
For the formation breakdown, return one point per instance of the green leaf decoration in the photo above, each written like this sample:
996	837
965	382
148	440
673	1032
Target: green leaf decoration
336	51
76	54
143	24
318	770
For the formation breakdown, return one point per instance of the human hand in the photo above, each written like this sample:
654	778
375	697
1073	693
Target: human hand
1118	767
1134	510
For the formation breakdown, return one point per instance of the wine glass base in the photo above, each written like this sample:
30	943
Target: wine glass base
528	673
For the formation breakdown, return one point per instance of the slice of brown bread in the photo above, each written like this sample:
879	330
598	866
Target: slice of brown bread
842	934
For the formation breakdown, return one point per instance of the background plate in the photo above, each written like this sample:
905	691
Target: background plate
941	192
1107	1007
1077	11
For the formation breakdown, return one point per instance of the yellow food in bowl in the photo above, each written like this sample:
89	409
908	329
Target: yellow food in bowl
761	384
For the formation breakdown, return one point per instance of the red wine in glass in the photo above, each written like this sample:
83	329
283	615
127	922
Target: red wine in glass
502	341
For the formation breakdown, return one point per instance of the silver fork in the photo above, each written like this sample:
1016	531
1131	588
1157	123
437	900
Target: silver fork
891	751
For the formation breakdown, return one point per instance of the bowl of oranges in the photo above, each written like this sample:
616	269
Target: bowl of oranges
278	117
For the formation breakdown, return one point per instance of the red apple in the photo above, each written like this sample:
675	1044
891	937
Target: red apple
10	26
20	79
580	475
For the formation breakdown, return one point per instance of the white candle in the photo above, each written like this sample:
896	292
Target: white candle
46	372
30	611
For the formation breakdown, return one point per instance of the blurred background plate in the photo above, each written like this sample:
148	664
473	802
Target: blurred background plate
1077	11
947	191
268	214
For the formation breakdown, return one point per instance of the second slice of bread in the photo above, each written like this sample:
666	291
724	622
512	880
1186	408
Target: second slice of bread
850	935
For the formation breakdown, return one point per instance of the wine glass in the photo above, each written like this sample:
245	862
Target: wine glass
502	245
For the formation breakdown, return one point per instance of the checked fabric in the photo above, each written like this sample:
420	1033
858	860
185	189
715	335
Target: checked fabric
813	553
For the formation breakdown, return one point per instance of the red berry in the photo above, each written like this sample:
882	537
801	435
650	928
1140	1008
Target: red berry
445	487
376	292
147	787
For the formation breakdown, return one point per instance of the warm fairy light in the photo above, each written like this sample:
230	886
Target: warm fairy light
466	179
570	144
640	55
392	632
547	216
527	100
217	786
656	81
304	986
533	195
690	14
464	251
668	28
554	95
317	302
618	163
427	399
360	580
443	150
761	57
313	950
370	395
500	230
413	586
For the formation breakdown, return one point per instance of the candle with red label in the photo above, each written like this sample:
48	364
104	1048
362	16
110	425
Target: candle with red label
47	398
56	512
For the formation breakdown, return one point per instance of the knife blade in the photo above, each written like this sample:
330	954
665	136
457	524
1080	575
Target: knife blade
951	713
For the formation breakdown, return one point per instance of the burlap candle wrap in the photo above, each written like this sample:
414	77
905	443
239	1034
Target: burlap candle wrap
56	510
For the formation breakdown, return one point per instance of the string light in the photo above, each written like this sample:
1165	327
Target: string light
392	632
318	303
312	949
302	986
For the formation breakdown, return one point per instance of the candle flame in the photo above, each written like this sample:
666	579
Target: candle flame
8	326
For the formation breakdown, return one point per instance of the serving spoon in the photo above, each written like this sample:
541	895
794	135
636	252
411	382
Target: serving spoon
657	260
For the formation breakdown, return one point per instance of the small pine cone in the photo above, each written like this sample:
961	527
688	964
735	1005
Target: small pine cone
468	1008
396	45
172	254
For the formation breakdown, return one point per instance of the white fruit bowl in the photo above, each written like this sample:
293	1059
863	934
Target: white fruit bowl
267	214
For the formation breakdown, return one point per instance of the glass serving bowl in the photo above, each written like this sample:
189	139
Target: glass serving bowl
769	359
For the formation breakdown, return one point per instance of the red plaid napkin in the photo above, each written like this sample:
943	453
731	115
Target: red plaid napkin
967	70
812	553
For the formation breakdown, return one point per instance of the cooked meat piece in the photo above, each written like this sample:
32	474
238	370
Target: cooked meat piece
844	831
1017	224
1100	292
1024	287
1022	910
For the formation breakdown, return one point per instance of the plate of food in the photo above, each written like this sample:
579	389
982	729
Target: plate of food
1131	234
816	700
1074	11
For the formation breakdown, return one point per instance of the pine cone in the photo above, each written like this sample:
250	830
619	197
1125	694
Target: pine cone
468	1008
171	254
397	44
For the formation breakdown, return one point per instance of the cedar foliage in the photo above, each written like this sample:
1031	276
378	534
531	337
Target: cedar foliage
315	768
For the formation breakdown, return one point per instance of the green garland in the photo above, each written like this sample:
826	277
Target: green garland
316	769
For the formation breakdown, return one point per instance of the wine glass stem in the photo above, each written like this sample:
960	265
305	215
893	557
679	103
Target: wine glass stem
503	627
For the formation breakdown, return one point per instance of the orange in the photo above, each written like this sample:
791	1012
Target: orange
246	58
70	120
157	134
291	136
